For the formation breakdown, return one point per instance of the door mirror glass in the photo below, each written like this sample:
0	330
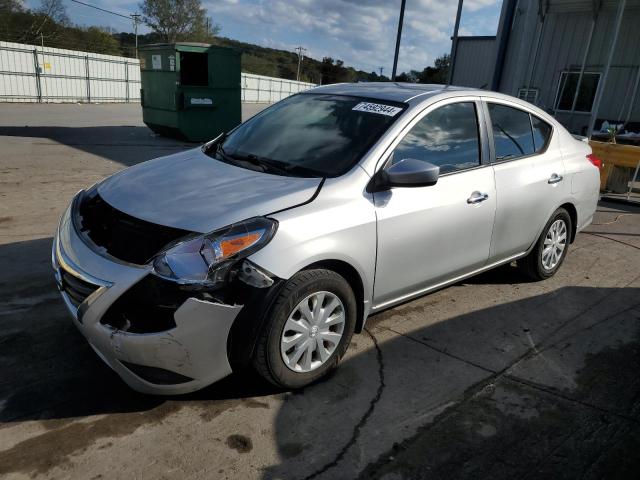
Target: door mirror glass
410	172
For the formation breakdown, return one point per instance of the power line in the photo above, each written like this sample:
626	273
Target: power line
132	16
102	9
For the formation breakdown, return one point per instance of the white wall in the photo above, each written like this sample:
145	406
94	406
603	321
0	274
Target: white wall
258	88
30	73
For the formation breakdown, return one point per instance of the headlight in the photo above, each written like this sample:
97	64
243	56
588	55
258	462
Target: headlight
205	260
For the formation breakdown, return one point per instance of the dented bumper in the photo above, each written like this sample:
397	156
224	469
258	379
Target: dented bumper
189	355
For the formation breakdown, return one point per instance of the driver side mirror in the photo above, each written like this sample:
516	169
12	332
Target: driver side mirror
408	172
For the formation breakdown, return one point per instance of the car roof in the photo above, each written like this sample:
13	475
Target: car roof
391	91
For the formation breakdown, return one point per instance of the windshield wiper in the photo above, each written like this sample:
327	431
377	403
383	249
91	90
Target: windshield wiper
264	163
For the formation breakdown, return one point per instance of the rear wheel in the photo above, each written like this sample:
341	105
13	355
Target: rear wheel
550	249
308	331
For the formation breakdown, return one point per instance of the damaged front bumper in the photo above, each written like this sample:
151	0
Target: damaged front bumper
189	354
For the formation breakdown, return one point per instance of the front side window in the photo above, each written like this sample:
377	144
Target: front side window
446	137
512	134
310	134
567	91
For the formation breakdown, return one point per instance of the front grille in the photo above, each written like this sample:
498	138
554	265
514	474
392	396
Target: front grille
147	307
122	236
76	289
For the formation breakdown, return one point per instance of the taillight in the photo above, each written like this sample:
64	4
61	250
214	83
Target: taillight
594	160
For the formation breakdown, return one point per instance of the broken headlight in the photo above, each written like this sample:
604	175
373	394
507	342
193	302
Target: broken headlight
205	260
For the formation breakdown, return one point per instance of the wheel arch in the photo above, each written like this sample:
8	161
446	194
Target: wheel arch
353	278
573	214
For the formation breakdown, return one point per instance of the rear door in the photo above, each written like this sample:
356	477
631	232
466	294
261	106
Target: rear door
427	235
529	175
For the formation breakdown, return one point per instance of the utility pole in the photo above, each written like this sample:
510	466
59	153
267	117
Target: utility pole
381	69
301	51
42	39
395	57
454	44
136	20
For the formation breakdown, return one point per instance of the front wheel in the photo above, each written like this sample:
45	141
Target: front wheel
550	249
308	330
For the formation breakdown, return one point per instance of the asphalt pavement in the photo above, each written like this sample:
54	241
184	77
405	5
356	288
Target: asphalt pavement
495	377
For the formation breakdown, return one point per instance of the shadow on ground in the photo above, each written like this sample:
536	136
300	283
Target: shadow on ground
126	145
542	385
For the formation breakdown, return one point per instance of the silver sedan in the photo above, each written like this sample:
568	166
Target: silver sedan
271	245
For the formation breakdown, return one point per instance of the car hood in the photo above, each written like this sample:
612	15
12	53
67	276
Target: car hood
195	192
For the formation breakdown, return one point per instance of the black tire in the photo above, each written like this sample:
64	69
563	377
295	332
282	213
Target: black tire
531	265
267	358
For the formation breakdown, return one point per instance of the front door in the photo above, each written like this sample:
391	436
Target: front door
427	235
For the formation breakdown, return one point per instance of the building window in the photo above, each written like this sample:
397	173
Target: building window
567	90
528	95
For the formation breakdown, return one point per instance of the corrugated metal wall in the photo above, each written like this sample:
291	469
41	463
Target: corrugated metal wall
475	58
30	73
563	42
564	38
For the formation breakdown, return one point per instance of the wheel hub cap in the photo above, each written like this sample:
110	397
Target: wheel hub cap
312	332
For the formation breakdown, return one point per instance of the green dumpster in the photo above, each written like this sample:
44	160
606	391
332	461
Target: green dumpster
190	91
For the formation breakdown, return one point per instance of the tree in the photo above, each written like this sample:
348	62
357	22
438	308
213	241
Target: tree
436	74
54	10
99	40
411	77
334	71
49	19
176	20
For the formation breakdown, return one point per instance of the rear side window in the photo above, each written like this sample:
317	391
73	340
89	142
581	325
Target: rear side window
446	137
512	134
541	133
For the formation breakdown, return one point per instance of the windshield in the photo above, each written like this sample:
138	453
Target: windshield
316	135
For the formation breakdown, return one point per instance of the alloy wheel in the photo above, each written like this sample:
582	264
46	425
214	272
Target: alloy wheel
554	244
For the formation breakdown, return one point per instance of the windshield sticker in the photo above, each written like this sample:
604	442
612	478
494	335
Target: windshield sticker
377	108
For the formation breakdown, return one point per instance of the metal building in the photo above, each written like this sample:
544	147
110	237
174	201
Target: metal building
577	59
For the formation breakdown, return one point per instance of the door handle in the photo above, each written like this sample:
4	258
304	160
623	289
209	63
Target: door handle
477	197
555	178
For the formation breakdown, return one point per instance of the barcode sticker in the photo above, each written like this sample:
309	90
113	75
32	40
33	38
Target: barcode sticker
377	108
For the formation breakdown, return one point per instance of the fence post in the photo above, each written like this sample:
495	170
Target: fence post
86	64
126	78
36	65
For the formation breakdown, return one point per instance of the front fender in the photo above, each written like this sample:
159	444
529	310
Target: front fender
337	225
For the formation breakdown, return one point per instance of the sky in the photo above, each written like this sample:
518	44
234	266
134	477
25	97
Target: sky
362	33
